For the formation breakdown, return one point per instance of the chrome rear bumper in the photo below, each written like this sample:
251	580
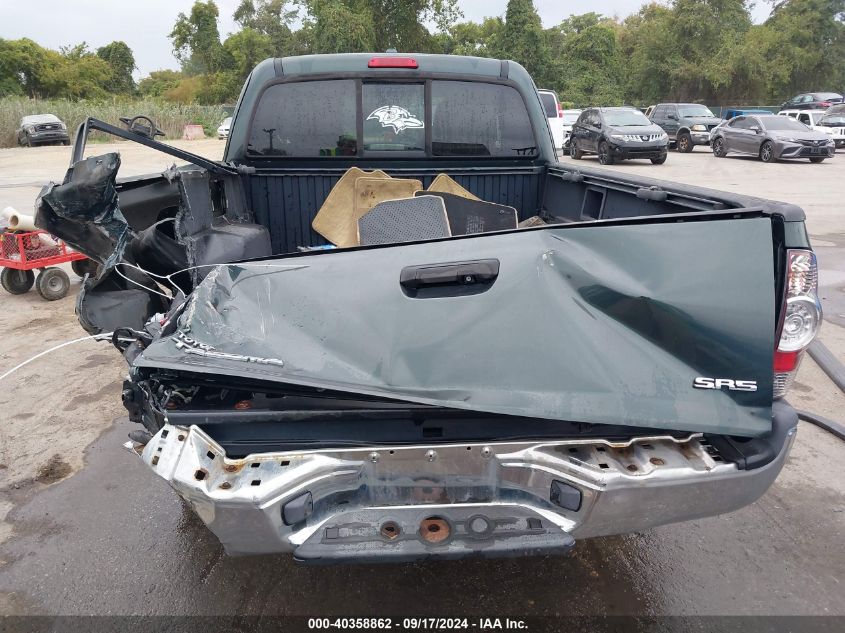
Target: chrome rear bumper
483	499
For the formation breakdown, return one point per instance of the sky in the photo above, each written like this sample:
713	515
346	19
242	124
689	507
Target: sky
145	24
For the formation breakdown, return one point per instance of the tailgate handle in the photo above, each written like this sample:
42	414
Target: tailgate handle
454	278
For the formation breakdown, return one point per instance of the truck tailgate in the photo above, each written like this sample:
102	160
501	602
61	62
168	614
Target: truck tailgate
608	323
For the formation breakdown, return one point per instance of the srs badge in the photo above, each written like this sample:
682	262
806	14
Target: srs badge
717	383
396	117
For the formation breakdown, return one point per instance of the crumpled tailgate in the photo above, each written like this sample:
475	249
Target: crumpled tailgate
601	323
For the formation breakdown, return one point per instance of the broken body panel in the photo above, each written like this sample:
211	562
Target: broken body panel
522	343
594	328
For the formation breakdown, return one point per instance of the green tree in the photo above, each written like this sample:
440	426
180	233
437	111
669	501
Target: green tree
196	39
377	25
339	28
705	32
120	59
78	74
246	48
686	51
271	18
10	79
158	82
22	67
649	47
586	64
524	41
472	38
801	47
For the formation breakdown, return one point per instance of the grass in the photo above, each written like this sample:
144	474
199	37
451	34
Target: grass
169	117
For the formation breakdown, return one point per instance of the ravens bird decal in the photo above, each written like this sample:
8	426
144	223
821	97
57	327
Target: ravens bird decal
394	116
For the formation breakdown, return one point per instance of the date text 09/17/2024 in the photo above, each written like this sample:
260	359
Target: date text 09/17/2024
417	624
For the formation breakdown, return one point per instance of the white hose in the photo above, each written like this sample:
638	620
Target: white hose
95	337
178	289
106	335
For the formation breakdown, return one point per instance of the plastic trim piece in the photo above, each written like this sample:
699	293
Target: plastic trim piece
830	426
828	362
753	453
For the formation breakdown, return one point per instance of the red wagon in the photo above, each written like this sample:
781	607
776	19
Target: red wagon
22	253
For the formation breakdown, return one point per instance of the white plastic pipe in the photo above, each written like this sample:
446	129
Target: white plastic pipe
21	222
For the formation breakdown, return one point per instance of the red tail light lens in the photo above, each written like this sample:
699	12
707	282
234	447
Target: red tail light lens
825	104
802	317
559	112
393	62
786	361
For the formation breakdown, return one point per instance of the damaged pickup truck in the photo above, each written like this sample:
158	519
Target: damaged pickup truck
430	386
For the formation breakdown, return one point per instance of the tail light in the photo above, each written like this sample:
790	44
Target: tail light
802	317
559	112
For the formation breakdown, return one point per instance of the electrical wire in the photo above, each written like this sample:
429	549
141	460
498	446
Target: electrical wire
140	285
95	337
176	286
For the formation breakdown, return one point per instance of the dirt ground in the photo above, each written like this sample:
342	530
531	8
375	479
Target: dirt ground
55	407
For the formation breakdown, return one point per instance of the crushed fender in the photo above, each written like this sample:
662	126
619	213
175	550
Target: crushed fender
84	210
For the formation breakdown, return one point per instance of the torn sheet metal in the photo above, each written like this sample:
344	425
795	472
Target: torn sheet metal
599	324
84	210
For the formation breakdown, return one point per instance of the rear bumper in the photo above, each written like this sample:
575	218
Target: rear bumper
490	500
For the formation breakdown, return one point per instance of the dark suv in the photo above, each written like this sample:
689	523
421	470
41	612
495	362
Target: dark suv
617	134
687	124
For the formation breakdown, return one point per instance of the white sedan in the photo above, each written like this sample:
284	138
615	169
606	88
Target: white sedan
223	130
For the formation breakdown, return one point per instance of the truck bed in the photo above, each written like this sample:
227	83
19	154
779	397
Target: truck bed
286	201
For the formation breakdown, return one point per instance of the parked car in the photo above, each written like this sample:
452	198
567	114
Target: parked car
223	130
812	101
554	113
730	113
687	124
360	404
834	120
569	118
617	134
771	137
812	119
42	129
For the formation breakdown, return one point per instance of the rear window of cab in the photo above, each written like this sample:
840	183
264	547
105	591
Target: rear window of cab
357	117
